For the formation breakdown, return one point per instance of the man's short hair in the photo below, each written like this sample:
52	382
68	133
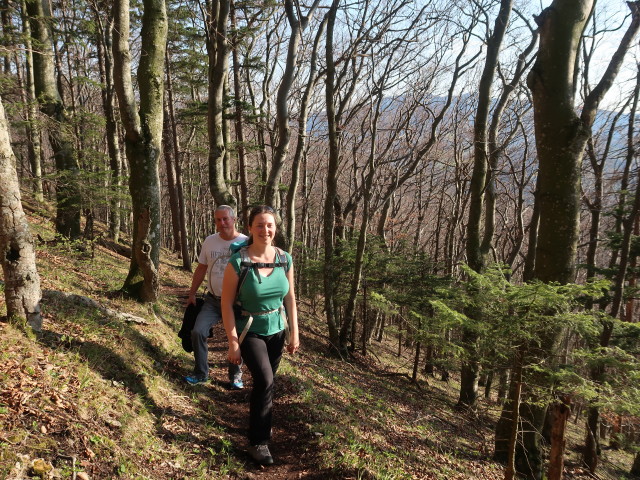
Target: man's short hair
229	209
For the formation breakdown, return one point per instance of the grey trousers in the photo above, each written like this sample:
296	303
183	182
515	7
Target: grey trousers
209	316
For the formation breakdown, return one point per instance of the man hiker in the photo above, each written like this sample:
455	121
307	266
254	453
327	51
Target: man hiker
212	261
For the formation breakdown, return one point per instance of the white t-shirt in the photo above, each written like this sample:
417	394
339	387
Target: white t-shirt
215	255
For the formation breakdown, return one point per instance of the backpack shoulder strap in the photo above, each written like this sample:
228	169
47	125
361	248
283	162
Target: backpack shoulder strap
282	260
245	264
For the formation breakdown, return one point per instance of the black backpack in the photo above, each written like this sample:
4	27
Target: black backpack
246	264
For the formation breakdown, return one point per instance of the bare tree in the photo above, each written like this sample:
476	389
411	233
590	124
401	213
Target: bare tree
17	250
477	247
174	173
60	130
218	49
104	45
329	273
561	137
33	127
628	219
143	139
302	143
298	24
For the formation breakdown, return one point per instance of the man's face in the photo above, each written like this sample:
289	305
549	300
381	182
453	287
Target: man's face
225	224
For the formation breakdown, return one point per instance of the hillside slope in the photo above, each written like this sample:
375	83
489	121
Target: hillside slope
97	395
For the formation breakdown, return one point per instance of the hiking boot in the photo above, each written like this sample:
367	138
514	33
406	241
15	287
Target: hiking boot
261	454
192	380
237	385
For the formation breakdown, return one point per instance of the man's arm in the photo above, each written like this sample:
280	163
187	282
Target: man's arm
196	281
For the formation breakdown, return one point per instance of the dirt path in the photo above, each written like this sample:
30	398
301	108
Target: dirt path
293	447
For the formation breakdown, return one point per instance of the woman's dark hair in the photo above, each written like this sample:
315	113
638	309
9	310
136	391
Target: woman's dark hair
255	211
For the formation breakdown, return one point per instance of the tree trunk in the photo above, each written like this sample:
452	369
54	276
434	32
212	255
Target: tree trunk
34	132
105	59
301	144
560	413
561	137
592	443
349	316
488	384
468	394
182	210
5	21
329	273
168	152
598	372
371	165
143	138
177	170
529	455
633	280
509	421
530	258
298	26
416	363
238	118
218	51
60	132
17	250
477	249
595	209
591	454
503	384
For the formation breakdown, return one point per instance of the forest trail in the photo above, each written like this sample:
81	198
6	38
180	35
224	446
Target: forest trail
294	449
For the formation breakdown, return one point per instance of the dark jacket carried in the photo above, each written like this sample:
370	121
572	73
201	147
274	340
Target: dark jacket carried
188	322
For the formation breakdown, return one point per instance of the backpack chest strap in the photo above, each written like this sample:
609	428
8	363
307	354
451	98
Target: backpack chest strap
262	264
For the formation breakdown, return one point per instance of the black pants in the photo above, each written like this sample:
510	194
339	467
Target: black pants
261	355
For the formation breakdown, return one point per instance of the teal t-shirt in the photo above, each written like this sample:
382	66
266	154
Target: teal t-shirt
256	296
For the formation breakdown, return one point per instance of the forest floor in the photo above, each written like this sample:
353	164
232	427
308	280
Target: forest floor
98	396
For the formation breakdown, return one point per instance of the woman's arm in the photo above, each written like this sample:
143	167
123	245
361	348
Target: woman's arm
229	286
292	314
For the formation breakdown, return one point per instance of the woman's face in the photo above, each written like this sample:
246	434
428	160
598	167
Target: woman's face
263	228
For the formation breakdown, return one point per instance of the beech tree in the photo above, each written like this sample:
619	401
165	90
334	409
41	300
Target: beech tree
478	245
59	129
627	216
104	46
298	24
218	49
17	249
143	139
34	131
172	155
330	260
302	143
561	137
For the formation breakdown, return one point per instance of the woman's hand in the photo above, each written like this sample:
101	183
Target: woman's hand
234	355
294	344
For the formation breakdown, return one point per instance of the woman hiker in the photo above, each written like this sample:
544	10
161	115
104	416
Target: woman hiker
258	280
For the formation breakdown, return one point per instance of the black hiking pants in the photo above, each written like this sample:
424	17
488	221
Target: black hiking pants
261	354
